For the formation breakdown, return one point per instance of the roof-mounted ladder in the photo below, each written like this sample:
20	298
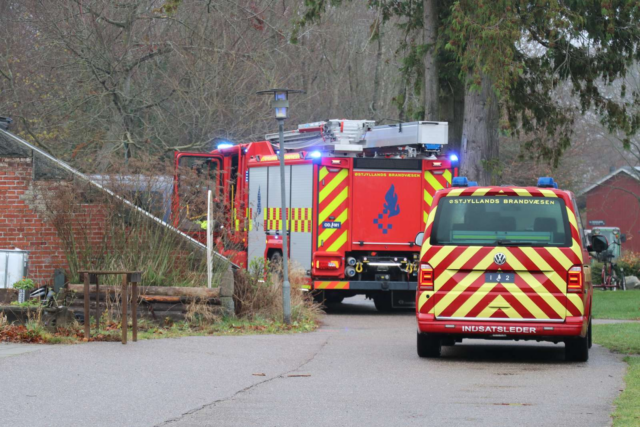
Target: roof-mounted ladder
353	136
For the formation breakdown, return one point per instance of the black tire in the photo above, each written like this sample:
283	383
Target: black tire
577	349
589	335
79	317
429	346
383	302
623	283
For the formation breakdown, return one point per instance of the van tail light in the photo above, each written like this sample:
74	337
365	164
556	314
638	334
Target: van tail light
574	280
426	277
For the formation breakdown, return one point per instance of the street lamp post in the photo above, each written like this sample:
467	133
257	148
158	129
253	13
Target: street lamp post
281	105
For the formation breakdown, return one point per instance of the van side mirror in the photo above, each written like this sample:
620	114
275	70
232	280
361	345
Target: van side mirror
599	244
419	238
623	238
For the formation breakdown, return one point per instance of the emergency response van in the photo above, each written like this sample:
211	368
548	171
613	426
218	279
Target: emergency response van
507	263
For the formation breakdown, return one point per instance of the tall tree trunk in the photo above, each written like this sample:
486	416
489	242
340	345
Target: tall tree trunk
452	111
376	75
430	90
479	152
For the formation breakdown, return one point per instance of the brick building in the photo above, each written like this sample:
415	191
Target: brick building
614	201
30	182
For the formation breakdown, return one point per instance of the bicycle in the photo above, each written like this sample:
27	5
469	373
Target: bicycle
612	274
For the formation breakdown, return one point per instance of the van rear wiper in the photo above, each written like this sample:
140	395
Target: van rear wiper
506	242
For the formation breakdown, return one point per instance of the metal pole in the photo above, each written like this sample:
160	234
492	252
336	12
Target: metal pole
209	240
286	287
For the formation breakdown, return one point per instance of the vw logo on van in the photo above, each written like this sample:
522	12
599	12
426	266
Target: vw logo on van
500	259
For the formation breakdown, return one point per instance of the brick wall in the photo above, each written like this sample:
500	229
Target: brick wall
22	226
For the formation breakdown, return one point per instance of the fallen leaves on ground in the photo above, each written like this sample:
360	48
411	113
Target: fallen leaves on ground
20	334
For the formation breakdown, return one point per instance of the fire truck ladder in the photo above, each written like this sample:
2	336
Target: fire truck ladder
356	136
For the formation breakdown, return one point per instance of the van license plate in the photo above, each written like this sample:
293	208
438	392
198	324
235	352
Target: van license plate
499	277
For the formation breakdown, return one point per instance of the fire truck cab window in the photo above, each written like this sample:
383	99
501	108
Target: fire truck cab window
489	221
197	175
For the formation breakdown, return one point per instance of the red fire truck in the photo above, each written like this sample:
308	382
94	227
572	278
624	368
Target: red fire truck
358	194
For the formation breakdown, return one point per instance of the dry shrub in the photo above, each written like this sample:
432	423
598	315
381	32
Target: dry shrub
200	313
101	232
258	294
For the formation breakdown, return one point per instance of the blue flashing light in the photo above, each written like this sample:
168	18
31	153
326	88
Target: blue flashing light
315	154
460	181
223	145
453	157
547	182
473	183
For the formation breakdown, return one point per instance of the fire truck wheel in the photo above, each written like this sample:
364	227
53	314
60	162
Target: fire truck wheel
589	335
383	302
577	349
429	345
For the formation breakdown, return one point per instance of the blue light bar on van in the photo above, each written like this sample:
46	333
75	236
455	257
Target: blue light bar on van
314	155
547	182
224	145
473	183
453	157
460	181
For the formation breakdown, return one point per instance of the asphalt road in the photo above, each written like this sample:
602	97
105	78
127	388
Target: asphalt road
359	369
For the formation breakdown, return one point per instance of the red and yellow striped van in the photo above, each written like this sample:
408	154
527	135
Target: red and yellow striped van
504	263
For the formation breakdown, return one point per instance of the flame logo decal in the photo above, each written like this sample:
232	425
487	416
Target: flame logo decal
390	208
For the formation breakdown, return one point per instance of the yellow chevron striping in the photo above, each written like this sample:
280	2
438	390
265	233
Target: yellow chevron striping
499	303
440	255
425	215
334	204
422	299
575	247
328	189
460	287
481	191
538	288
342	285
323	173
447	175
549	298
576	299
557	254
465	257
524	299
456	192
474	299
324	236
572	218
432	215
522	192
428	198
548	193
338	243
546	268
433	182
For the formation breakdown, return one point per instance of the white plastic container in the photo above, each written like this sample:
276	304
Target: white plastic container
13	266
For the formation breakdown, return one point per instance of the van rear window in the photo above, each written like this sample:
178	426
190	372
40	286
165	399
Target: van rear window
501	221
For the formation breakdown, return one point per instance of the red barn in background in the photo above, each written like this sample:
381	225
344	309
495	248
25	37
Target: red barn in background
614	201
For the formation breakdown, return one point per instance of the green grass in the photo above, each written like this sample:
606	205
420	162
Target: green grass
627	411
620	337
624	338
616	305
